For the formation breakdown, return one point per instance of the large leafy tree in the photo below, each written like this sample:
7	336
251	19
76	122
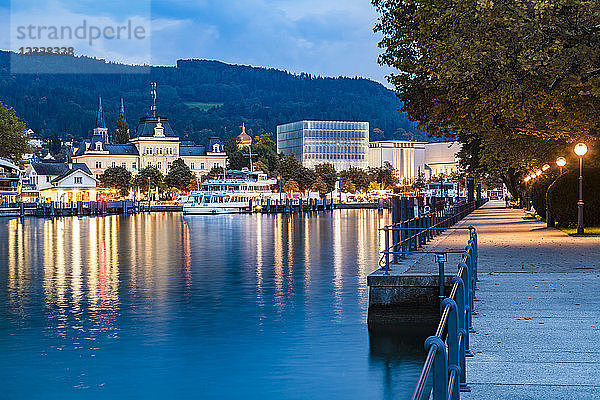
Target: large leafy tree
502	75
117	178
327	173
384	176
358	176
14	141
149	175
179	175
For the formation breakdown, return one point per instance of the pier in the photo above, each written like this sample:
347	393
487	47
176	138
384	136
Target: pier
536	315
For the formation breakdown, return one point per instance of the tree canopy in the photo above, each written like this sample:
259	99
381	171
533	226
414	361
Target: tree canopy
117	178
14	141
519	75
179	175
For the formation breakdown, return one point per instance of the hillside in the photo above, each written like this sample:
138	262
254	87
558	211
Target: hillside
201	98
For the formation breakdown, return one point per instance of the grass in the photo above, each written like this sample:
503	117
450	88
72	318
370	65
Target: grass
202	106
589	231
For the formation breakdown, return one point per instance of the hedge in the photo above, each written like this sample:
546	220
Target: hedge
563	195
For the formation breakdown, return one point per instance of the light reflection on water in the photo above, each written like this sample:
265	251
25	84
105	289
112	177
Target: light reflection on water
162	305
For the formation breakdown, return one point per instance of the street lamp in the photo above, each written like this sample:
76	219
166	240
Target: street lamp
580	150
546	167
561	162
538	172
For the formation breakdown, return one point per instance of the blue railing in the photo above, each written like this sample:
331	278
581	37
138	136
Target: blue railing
448	348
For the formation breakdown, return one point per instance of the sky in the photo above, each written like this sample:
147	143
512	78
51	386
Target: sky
321	37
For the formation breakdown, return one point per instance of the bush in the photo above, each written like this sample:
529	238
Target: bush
564	194
538	192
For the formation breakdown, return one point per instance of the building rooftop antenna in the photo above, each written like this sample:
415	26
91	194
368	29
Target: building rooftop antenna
153	94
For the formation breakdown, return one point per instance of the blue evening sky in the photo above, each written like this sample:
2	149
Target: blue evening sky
323	37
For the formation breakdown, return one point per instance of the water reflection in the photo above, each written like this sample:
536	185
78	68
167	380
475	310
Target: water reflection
264	306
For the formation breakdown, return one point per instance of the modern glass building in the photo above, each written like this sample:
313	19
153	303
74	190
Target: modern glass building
343	144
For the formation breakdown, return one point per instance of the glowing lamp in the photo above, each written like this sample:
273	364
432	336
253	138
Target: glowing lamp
561	161
546	167
580	149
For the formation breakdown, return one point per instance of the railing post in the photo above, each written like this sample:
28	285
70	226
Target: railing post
440	367
453	348
387	248
462	332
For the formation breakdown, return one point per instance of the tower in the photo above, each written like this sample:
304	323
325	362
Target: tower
100	130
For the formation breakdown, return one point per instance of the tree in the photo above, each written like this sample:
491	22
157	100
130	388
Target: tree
358	176
288	166
261	166
319	186
179	175
117	178
305	178
347	186
510	79
327	173
152	173
122	133
383	175
214	172
290	186
14	140
419	182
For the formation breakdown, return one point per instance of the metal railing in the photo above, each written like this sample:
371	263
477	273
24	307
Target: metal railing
405	237
448	348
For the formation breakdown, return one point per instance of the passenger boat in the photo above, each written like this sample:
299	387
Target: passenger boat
235	192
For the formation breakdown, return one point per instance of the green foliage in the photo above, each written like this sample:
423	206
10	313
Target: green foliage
122	134
201	98
179	175
513	80
291	186
359	178
563	196
156	178
14	141
264	150
117	178
214	172
288	166
327	173
319	186
347	186
383	175
419	182
261	166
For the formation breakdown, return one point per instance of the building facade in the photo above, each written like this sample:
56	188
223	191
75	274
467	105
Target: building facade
343	144
153	143
58	181
410	159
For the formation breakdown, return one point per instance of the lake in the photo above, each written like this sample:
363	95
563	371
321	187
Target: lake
211	307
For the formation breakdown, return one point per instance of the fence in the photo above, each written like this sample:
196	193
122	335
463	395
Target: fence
446	358
405	237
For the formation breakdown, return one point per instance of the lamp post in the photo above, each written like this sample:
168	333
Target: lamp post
279	180
561	162
580	150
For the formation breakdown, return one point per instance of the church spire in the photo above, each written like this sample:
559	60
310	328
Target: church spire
100	119
122	110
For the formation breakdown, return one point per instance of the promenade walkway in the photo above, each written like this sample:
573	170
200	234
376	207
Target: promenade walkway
538	304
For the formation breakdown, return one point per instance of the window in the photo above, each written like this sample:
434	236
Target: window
192	166
159	165
216	165
124	165
78	180
98	164
133	166
168	165
149	150
114	164
48	179
159	150
201	165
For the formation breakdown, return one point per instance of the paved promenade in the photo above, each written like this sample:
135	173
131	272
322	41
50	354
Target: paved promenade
538	304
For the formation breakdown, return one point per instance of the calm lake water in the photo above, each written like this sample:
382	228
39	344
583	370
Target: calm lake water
210	307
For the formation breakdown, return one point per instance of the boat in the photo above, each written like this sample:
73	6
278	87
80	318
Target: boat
235	192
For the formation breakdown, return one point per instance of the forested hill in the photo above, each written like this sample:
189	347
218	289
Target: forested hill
200	98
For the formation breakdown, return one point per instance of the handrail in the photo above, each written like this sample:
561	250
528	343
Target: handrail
416	232
446	359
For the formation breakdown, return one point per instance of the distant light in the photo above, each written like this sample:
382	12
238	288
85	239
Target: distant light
546	167
527	178
561	161
538	172
580	149
533	176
